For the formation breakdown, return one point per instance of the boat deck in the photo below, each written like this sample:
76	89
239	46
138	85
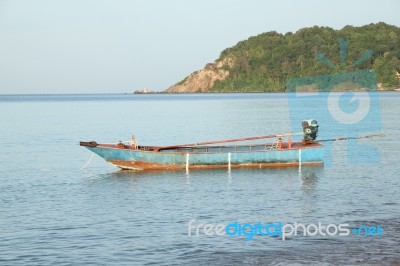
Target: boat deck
239	148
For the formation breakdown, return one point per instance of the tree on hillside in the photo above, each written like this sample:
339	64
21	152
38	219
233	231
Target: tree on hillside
264	62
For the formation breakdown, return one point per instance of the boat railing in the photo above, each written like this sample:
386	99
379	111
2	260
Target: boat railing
233	148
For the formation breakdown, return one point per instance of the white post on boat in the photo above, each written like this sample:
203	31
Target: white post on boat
229	162
299	160
187	163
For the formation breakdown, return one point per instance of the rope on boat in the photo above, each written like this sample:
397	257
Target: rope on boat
299	160
229	162
187	163
88	162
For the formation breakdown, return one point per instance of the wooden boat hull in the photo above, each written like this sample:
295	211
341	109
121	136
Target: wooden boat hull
259	156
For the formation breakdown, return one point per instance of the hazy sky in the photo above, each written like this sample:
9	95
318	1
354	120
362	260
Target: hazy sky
88	46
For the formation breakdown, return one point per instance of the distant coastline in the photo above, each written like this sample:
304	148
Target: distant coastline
254	92
263	63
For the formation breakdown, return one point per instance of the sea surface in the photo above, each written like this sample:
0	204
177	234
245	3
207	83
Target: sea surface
55	209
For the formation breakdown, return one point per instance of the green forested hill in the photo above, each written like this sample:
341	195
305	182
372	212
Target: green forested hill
264	62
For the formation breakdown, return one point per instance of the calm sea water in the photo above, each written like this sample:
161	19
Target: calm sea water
52	212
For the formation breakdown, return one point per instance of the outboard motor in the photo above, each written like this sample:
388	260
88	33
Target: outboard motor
310	130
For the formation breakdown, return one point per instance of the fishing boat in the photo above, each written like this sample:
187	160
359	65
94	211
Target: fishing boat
282	152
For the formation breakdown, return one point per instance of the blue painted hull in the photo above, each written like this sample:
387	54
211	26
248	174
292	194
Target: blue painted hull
220	157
